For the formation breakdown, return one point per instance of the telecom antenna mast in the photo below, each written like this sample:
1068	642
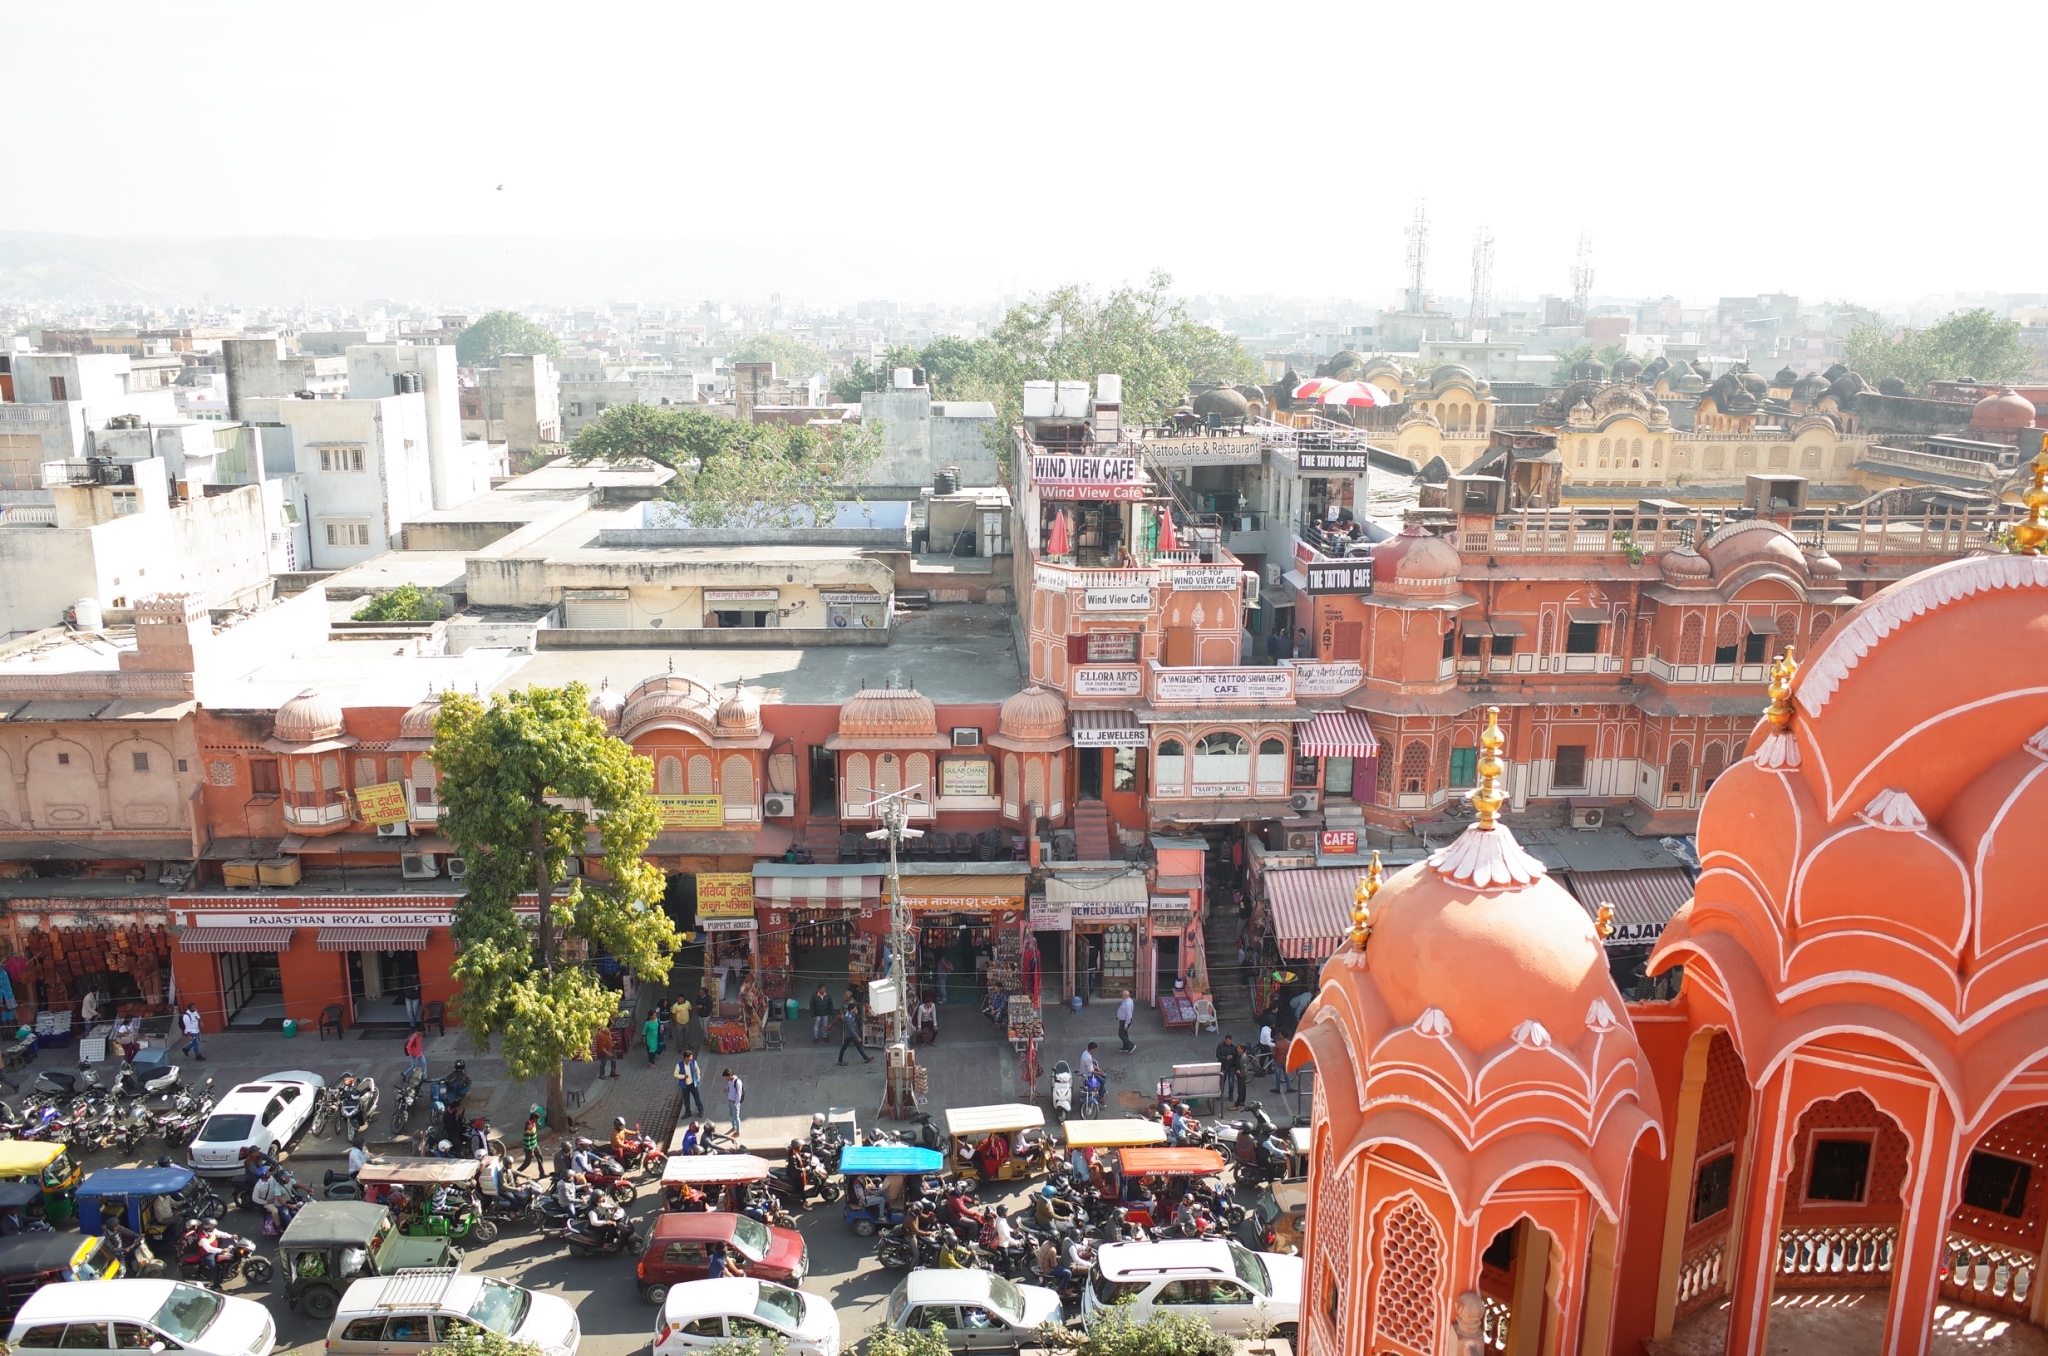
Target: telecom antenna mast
1582	277
1482	282
1418	257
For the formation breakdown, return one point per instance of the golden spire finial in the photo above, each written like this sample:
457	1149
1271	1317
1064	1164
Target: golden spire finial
2030	534
1361	910
1603	921
1487	797
1779	712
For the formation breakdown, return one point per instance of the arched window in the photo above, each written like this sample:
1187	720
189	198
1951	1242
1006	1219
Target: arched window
1408	1252
917	775
1546	633
1604	445
1657	453
1628	741
1809	458
1781	457
1714	458
366	772
1678	769
1057	784
1620	632
1272	768
1584	443
1034	786
302	776
1820	626
1414	767
1170	768
330	774
1788	630
1012	786
1222	758
394	769
736	780
1746	457
1635	452
668	776
700	775
888	774
1691	638
1383	774
859	783
1727	639
1715	763
423	773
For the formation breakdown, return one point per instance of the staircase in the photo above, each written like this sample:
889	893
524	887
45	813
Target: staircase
821	839
1094	833
1226	986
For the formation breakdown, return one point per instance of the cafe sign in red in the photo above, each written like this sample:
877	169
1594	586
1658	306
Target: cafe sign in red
1340	842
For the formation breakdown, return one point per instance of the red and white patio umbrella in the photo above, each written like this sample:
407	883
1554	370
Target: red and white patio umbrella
1167	541
1313	388
1056	541
1362	394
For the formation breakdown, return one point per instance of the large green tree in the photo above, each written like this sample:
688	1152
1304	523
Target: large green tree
792	356
502	332
734	474
522	779
1966	344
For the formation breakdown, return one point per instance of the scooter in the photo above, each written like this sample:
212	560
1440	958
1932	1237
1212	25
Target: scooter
1062	1091
625	1237
159	1083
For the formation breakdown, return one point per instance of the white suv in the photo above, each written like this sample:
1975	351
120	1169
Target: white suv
413	1309
1215	1281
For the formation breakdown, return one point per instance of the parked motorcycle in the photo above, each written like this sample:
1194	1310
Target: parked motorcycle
406	1101
1062	1091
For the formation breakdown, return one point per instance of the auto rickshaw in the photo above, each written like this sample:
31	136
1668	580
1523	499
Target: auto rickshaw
28	1262
892	1163
51	1166
1273	1222
140	1186
986	1141
329	1245
409	1185
1173	1167
709	1174
1299	1141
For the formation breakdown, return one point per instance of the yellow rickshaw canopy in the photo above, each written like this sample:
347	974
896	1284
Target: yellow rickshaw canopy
1127	1133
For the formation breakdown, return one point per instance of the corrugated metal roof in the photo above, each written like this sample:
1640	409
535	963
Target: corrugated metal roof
1643	899
1126	888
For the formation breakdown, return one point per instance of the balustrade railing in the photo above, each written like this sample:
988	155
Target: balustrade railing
1847	1255
1702	1276
1988	1275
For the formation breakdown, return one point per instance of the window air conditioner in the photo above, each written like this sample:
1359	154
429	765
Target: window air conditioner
1588	816
1305	801
398	830
1301	840
967	736
457	868
418	865
775	805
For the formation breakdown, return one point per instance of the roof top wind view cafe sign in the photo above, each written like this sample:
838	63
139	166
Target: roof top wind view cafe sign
1066	475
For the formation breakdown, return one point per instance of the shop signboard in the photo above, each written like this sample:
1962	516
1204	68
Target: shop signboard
725	894
1199	451
1352	575
1224	685
1170	913
692	812
1334	461
380	918
1107	910
1222	789
1129	599
962	903
1206	579
832	599
1051	577
742	595
727	924
965	777
1312	679
1340	842
1110	737
383	803
1120	682
1086	471
1050	917
1635	934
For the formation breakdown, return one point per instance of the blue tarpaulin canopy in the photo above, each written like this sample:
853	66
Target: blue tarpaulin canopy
887	1160
137	1184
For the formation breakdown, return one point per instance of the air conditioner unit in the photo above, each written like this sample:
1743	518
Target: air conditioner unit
418	865
1272	576
457	868
966	736
1588	816
1301	840
777	805
398	830
1304	801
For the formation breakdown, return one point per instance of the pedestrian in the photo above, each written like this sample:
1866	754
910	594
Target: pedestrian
1125	1011
821	1014
1280	1075
689	1082
530	1141
1304	647
604	1047
1245	967
945	972
412	1006
650	1031
1232	1059
189	1022
735	1093
661	1018
679	1018
416	1052
853	1035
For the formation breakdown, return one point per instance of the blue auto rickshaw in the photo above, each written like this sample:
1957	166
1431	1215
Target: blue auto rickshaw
139	1186
885	1161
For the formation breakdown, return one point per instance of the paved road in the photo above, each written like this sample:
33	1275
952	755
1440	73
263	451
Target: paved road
969	1066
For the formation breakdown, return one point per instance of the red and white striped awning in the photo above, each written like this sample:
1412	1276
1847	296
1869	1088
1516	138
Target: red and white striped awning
235	939
1337	734
373	939
1312	909
817	892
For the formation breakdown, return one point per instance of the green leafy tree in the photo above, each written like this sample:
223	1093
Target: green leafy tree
1117	1332
407	602
467	1340
522	779
930	1341
1966	344
792	356
734	474
502	332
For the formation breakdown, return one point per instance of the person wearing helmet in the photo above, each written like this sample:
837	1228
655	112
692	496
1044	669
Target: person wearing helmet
797	1170
622	1141
213	1246
271	1197
580	1161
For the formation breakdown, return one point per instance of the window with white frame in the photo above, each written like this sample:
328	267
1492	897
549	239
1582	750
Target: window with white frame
126	502
341	458
355	533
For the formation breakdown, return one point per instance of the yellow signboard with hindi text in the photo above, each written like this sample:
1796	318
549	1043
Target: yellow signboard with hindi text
692	812
725	894
383	803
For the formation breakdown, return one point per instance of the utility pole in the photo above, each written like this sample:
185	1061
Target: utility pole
895	828
1418	256
1482	282
1582	277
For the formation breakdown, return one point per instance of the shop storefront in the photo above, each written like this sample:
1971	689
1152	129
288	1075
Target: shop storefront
1107	915
964	927
817	926
857	610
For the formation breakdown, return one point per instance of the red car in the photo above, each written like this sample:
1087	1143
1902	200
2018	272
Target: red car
676	1252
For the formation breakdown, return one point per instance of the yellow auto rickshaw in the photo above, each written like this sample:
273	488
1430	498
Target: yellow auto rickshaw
28	1262
993	1143
51	1166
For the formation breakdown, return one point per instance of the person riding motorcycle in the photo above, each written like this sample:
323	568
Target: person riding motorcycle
273	1196
602	1220
921	1228
581	1160
957	1212
212	1245
798	1169
569	1192
624	1141
688	1143
455	1087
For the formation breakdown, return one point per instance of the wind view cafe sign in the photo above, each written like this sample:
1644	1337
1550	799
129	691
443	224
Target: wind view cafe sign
1061	475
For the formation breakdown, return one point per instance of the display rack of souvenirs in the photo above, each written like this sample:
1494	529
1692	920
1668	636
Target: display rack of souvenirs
1119	956
822	927
775	963
728	1036
860	961
1026	1022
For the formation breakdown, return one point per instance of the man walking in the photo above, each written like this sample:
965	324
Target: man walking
821	1014
689	1082
1280	1074
852	1016
415	1052
1232	1060
735	1093
190	1025
1125	1011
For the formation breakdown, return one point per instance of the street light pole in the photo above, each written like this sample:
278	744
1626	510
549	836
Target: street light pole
895	828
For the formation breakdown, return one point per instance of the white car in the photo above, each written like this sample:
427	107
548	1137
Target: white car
978	1310
702	1315
68	1315
1222	1283
268	1113
413	1309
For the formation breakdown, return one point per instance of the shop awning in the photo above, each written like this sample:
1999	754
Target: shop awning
1123	888
373	939
1587	616
1312	909
1761	624
817	892
1337	734
1508	627
1103	728
1644	899
235	939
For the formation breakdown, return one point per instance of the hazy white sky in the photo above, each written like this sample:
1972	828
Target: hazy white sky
1824	149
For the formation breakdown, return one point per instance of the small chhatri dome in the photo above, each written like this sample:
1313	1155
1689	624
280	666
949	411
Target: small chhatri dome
889	712
668	697
607	705
1786	378
1034	713
308	718
1628	369
1415	559
2005	410
1685	566
418	722
739	712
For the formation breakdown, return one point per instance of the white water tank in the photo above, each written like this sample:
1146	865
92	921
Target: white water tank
900	378
1109	389
1038	397
1070	401
86	611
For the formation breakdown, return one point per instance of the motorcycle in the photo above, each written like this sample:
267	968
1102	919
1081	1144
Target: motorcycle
406	1101
623	1237
609	1175
1260	1156
358	1107
240	1259
642	1154
1062	1091
897	1250
927	1135
156	1083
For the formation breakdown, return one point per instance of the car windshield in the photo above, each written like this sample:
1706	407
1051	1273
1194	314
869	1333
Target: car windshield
780	1306
750	1236
188	1313
1007	1299
499	1306
1250	1269
226	1129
